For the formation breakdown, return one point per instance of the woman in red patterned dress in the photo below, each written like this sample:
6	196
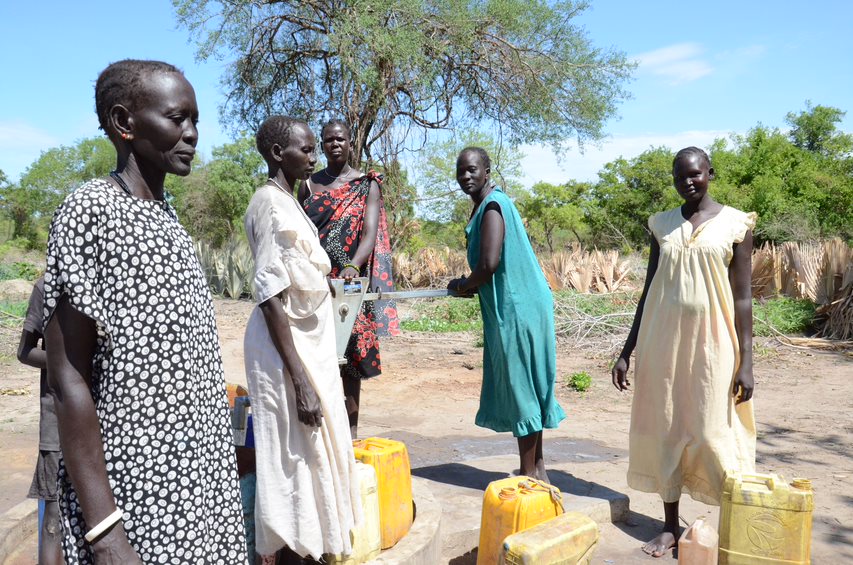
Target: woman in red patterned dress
346	206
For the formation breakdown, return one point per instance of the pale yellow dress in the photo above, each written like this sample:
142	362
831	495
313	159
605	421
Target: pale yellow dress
686	431
307	486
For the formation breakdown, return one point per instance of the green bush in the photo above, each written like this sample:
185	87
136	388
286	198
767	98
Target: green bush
446	315
784	315
580	381
18	270
12	313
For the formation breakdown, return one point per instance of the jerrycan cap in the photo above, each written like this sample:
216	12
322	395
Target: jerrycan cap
507	493
801	484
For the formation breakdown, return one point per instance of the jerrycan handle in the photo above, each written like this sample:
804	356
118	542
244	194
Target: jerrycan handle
765	480
692	532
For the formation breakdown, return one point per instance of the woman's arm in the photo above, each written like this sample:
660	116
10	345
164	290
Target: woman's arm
71	339
29	352
491	242
368	232
307	403
619	373
740	277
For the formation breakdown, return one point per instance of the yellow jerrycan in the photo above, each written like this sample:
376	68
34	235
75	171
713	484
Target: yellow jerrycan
765	521
366	539
568	539
390	460
699	544
513	505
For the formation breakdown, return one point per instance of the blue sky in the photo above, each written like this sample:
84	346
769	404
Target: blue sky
706	70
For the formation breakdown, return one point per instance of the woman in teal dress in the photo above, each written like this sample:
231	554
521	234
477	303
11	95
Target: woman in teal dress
519	357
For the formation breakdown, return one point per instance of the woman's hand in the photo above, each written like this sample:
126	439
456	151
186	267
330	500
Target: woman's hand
349	273
114	549
307	403
744	385
458	286
619	374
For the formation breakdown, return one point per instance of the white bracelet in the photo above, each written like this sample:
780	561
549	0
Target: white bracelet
104	524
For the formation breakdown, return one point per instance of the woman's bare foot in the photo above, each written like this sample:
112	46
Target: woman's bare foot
661	544
540	473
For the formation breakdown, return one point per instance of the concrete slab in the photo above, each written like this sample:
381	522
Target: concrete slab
17	524
422	545
459	487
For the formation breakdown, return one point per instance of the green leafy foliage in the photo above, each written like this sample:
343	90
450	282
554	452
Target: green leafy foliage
446	315
554	213
389	66
580	381
30	203
12	313
783	315
398	195
19	270
627	193
800	183
212	200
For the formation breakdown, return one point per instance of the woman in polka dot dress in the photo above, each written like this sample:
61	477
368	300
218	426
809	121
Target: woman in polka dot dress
148	472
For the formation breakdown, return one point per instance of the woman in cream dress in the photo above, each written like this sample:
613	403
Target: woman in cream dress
307	491
692	419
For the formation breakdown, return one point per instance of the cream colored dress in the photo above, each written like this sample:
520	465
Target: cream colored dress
685	428
307	486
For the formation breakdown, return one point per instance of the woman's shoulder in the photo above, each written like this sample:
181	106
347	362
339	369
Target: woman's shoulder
738	222
373	175
498	196
737	215
90	197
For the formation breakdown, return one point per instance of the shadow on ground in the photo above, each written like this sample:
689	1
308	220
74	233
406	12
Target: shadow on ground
459	474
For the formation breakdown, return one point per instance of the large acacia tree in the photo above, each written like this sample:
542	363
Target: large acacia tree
396	67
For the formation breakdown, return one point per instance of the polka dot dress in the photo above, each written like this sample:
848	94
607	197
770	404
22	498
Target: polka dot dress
157	378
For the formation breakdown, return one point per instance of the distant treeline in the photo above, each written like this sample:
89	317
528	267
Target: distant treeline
800	181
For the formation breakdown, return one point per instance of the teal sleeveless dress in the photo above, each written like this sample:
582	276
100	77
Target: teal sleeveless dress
519	356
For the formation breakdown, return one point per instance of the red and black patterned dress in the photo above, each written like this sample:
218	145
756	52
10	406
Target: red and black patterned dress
339	217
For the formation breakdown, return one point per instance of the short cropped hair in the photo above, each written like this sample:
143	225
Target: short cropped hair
335	122
481	153
692	151
123	82
275	129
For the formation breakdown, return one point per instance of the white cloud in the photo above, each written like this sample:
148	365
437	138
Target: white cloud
677	63
540	163
20	145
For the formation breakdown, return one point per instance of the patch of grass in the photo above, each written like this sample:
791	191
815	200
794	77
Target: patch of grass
762	351
446	315
18	270
594	304
580	381
786	315
12	313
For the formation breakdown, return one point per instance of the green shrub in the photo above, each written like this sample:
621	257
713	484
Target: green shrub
446	315
784	315
580	381
12	313
18	270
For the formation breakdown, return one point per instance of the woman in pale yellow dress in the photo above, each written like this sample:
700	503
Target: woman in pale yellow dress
692	419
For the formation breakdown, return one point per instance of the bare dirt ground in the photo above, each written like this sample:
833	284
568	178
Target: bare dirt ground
429	393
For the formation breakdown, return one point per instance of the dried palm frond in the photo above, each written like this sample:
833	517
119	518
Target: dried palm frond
837	256
839	313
